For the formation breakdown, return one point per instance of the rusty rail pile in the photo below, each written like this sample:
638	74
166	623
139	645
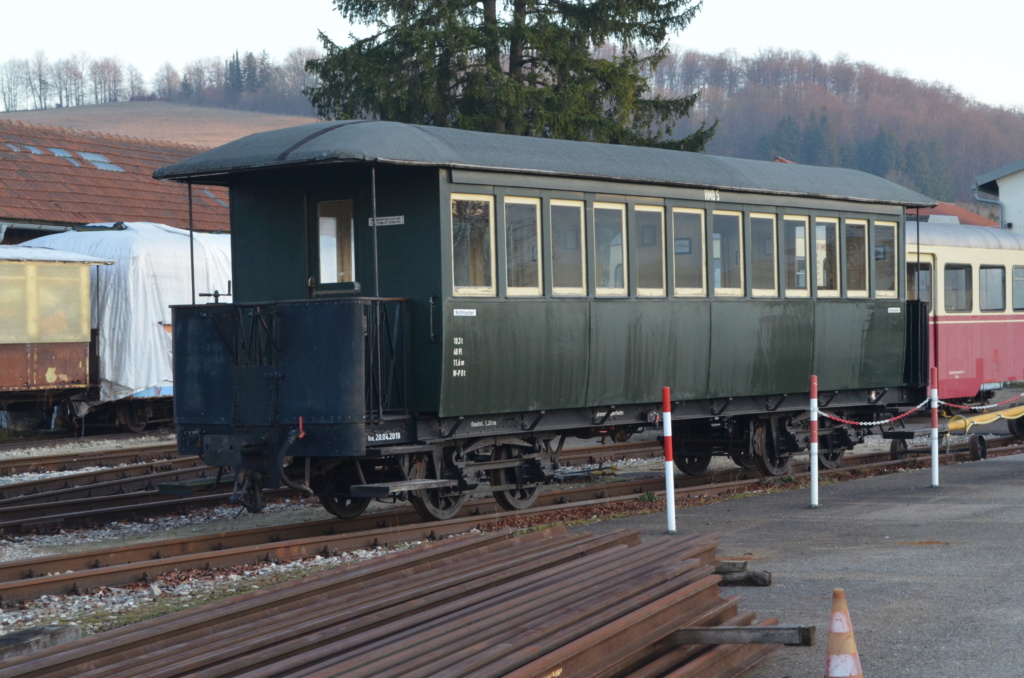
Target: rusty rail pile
483	605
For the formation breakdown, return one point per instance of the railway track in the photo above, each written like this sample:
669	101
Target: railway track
129	563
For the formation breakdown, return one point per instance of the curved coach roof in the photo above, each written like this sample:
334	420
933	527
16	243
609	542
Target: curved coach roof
963	235
402	144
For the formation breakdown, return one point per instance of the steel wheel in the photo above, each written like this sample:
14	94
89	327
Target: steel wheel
898	449
1016	427
132	417
978	446
515	498
766	456
692	463
435	503
345	507
831	457
742	458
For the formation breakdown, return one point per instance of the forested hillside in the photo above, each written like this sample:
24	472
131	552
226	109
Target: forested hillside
923	135
793	105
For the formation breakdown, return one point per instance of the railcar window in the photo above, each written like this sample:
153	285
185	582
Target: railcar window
826	256
919	282
1018	288
992	288
956	288
610	245
522	238
794	239
43	302
688	250
568	261
856	240
473	245
762	255
885	259
650	251
337	244
727	253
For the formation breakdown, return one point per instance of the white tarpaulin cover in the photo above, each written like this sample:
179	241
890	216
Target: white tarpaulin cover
131	300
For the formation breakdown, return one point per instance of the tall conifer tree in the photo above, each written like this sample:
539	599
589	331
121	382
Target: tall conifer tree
568	69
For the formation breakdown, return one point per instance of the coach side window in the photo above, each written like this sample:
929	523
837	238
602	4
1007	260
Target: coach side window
336	242
610	246
956	288
794	243
885	259
1018	288
727	253
688	250
762	255
650	251
568	262
826	256
919	282
856	241
992	288
473	245
522	240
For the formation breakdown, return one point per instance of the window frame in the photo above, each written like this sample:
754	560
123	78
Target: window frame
981	288
517	291
728	291
819	291
765	291
490	290
805	291
701	253
581	247
970	287
622	291
894	292
1017	299
867	268
650	291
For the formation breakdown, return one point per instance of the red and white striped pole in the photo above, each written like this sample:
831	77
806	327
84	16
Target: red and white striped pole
814	441
934	392
670	481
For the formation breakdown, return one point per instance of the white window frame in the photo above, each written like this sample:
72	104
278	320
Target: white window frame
612	291
893	293
805	291
868	261
652	291
774	291
701	291
826	293
581	290
729	291
537	290
473	290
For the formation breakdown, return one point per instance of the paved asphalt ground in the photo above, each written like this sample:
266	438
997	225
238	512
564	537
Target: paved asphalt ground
934	577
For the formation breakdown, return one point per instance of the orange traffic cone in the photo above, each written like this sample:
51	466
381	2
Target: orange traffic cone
843	660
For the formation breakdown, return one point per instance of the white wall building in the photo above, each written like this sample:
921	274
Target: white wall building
1007	185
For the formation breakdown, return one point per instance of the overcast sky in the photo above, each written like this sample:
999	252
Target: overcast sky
977	49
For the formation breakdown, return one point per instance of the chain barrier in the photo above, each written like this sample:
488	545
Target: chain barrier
981	407
875	423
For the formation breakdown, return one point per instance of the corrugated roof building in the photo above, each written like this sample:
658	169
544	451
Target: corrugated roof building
53	178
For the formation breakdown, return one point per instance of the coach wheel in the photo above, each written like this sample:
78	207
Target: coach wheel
1016	427
765	452
345	507
693	463
132	417
437	503
512	494
898	449
830	458
978	446
742	458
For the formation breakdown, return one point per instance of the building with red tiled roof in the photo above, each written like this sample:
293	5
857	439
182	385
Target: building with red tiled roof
52	179
948	213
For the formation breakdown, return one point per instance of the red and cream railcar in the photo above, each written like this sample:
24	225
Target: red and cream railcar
973	279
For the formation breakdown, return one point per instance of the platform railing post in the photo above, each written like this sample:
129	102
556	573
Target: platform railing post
814	441
934	392
670	481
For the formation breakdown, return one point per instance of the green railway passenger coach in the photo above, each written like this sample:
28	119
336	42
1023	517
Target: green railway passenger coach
418	310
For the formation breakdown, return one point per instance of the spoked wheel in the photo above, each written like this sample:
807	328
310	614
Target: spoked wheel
518	497
692	463
768	459
132	417
434	503
345	507
830	457
898	449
